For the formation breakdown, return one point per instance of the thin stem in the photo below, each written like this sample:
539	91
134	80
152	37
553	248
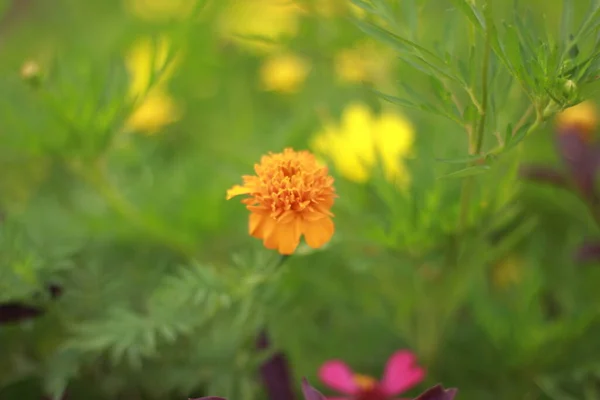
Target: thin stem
476	141
523	119
484	94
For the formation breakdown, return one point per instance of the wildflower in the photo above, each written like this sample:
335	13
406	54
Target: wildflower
362	138
581	118
160	10
150	69
576	126
365	62
258	24
156	110
148	64
400	374
290	195
283	73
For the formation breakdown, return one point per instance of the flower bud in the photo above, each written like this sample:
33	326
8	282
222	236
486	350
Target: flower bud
31	73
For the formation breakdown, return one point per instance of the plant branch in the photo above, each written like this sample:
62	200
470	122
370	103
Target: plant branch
476	141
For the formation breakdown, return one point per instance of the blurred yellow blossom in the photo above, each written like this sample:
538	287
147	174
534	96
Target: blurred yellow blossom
147	58
160	10
361	138
155	111
365	62
284	73
583	117
155	107
262	22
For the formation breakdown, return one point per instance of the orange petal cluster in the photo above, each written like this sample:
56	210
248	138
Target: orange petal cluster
291	195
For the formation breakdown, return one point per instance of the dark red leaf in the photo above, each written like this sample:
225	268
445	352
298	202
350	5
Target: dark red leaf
437	393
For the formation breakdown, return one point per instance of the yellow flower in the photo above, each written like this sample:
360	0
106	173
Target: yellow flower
262	22
365	62
582	118
160	10
291	195
145	59
362	139
156	108
284	73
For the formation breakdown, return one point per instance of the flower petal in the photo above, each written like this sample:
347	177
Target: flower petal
337	375
237	190
283	237
317	233
310	393
400	373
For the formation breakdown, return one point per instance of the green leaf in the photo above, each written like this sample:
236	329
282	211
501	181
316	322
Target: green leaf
470	12
470	171
408	48
419	106
364	6
460	160
518	136
566	21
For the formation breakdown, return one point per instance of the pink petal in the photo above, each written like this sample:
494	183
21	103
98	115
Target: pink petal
401	373
337	375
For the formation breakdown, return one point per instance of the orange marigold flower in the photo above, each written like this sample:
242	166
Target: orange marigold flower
290	195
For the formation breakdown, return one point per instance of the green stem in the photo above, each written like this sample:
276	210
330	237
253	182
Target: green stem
96	177
476	141
484	95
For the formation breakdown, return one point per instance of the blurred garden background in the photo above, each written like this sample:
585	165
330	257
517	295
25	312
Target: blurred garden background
466	218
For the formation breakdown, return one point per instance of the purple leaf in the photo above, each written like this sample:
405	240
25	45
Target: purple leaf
310	393
15	312
581	159
275	372
437	393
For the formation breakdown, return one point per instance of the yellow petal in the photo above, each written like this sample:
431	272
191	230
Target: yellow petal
237	190
317	233
148	57
288	236
157	110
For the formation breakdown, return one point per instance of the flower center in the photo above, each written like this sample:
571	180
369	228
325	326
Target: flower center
292	181
368	388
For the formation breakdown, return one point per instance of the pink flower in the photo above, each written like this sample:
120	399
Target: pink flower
401	373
